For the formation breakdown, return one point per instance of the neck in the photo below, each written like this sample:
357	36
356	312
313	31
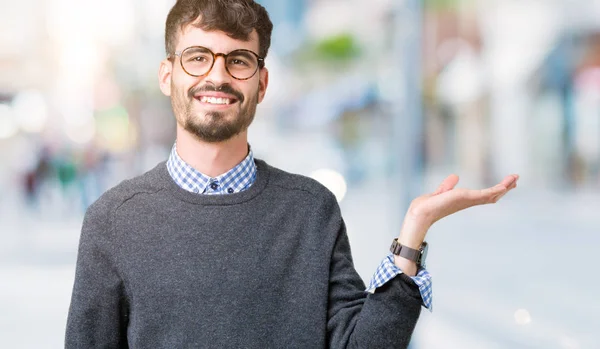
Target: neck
211	159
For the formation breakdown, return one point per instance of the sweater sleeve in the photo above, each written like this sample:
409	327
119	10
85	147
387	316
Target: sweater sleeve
98	311
357	319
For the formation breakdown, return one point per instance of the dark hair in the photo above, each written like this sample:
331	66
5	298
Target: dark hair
237	18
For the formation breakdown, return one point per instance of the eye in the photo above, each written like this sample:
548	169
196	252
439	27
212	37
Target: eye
236	61
197	58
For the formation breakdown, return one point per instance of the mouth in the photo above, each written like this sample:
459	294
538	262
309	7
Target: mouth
218	101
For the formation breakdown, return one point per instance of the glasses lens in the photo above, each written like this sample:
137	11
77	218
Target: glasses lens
242	64
196	60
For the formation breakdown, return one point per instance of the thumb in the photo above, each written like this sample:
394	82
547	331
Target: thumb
447	184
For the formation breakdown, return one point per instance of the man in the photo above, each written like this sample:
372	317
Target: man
216	249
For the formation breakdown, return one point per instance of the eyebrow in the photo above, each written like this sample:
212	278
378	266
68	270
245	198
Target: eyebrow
206	47
196	48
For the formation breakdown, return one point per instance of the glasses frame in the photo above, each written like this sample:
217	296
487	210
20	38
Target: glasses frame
260	65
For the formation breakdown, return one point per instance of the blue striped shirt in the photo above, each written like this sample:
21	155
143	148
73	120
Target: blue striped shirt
241	177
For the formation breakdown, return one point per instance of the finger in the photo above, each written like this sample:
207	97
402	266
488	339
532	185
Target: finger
509	180
501	187
511	187
493	191
447	184
497	197
489	195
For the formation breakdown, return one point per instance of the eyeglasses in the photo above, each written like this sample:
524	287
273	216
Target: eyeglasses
240	64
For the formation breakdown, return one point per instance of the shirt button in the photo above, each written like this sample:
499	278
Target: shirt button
196	190
230	190
214	186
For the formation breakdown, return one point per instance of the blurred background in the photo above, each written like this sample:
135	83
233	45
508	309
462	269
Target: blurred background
379	100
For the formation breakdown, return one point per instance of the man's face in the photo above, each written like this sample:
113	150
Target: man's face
214	107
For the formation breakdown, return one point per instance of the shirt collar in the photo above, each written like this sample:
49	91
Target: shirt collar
238	179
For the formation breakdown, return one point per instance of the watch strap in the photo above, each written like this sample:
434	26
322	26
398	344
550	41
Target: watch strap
406	252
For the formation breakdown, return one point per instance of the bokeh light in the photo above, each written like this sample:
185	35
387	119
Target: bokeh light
31	111
8	124
333	180
522	317
81	132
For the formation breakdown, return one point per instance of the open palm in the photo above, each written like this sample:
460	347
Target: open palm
446	200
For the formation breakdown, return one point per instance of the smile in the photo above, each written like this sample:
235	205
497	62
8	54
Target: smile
216	100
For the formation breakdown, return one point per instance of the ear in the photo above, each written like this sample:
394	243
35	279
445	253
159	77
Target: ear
164	76
262	83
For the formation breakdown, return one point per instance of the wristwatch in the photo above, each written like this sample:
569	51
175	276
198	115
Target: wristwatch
417	256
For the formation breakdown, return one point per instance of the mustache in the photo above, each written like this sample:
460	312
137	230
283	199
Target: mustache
225	88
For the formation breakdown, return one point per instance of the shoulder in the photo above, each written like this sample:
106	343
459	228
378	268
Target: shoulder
311	202
293	183
103	208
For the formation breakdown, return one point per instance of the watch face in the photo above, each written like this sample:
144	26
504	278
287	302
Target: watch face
424	250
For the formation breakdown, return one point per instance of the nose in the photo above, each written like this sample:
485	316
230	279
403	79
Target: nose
218	75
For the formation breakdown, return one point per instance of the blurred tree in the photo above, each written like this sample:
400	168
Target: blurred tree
445	4
340	47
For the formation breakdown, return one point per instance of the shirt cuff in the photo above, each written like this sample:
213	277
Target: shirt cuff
388	270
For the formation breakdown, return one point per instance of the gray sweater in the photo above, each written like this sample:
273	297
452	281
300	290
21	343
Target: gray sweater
270	267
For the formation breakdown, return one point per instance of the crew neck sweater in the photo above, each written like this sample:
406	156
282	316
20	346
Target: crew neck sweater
268	267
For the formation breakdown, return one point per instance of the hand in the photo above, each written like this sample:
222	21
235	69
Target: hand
430	208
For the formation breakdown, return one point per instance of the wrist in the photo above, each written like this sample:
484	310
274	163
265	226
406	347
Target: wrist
413	232
407	266
408	259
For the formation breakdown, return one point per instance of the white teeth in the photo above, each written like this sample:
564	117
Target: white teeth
214	100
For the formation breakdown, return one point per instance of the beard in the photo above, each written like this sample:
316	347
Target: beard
214	126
